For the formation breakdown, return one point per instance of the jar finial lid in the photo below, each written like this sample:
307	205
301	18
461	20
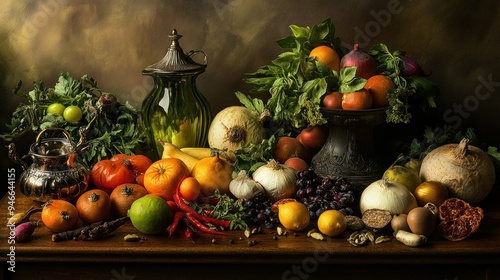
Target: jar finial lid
175	61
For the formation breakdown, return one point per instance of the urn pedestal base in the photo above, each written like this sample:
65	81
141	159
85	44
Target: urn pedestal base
349	150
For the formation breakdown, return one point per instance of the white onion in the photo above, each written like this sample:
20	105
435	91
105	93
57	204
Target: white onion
278	180
387	195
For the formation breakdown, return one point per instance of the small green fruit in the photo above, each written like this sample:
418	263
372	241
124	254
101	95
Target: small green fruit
73	114
150	214
403	175
56	108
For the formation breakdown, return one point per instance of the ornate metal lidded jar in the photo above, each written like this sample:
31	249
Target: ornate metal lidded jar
54	173
175	111
349	150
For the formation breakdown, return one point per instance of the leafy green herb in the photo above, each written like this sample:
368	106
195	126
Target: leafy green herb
438	136
409	90
255	155
112	127
296	82
226	208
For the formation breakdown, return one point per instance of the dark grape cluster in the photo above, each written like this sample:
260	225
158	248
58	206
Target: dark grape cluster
321	194
259	210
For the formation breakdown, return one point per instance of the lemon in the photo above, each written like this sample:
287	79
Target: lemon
293	215
403	175
332	223
414	164
150	214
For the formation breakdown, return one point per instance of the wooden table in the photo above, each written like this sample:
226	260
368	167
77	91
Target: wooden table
291	257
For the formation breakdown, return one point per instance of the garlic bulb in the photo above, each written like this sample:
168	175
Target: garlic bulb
387	195
278	180
243	186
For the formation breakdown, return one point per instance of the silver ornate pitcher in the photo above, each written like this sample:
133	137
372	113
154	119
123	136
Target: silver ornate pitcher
54	173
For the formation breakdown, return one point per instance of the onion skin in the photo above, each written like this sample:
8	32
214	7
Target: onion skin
431	191
366	65
412	68
277	179
387	195
467	171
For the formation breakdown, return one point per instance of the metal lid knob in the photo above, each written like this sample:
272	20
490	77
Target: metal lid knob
175	61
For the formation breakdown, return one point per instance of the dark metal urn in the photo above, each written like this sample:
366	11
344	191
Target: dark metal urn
349	151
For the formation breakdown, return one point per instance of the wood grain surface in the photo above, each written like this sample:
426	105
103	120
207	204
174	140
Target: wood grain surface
478	255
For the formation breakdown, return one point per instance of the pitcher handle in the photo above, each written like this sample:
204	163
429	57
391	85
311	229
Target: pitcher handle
191	54
66	133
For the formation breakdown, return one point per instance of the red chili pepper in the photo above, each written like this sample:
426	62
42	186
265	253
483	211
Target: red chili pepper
177	218
206	219
188	232
208	212
210	200
202	227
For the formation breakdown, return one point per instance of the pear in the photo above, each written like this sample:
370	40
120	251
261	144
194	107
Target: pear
403	175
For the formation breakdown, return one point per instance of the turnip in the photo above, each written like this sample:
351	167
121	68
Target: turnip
236	127
467	171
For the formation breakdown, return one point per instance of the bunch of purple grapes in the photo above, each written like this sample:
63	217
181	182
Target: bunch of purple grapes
259	210
321	194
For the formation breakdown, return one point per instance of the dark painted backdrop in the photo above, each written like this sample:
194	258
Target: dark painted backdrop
114	40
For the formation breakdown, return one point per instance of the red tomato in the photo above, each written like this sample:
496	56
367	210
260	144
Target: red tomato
108	174
312	137
138	163
333	100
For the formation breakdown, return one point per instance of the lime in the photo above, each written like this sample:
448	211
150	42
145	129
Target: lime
150	214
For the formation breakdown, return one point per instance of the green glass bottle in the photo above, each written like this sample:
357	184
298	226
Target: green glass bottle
175	111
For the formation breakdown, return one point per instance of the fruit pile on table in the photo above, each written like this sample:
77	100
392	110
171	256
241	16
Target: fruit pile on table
256	170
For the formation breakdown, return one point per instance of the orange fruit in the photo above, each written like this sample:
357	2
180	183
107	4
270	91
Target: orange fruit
190	189
59	215
94	206
327	56
332	223
123	196
163	176
378	85
357	100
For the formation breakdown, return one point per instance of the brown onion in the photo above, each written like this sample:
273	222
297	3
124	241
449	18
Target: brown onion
467	171
431	191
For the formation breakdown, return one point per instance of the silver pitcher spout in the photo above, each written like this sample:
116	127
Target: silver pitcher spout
15	157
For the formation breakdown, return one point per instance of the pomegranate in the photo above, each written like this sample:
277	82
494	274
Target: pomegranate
459	219
366	65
